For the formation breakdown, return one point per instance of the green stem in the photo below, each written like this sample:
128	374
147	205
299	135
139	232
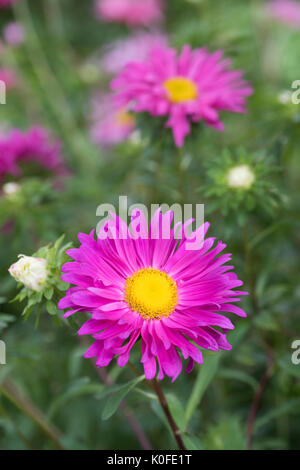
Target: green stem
180	175
164	404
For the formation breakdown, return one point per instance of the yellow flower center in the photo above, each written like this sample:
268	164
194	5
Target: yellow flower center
180	89
125	119
151	293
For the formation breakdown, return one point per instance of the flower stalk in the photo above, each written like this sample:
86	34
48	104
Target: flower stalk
164	404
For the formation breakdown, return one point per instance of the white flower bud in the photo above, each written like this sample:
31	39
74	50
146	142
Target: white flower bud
240	176
10	188
32	272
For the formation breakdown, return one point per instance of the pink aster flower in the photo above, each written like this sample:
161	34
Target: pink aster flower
14	34
111	124
190	88
34	145
134	48
285	11
152	289
130	12
9	77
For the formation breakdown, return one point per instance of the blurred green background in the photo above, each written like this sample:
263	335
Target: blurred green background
46	379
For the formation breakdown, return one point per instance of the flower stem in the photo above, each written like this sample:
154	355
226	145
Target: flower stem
181	176
164	404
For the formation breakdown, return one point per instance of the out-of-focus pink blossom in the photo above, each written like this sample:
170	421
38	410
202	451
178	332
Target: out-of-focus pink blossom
7	3
8	76
14	34
111	125
194	86
285	11
135	48
130	12
34	145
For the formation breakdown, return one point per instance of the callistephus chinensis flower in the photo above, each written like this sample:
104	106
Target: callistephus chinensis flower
193	87
240	182
33	146
30	271
154	289
130	12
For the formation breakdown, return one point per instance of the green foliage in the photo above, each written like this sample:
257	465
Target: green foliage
58	74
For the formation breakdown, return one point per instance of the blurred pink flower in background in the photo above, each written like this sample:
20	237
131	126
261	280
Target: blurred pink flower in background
34	145
111	125
285	11
9	77
7	3
130	12
134	48
14	33
191	87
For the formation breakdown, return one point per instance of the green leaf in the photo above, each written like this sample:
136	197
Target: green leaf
113	403
236	374
51	307
289	367
79	388
206	373
48	292
292	407
192	442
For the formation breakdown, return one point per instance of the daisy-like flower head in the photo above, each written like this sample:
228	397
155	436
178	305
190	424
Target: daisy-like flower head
111	124
156	290
130	12
34	145
135	48
190	88
286	12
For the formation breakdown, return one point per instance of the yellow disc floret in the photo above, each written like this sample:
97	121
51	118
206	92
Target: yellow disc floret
180	89
151	293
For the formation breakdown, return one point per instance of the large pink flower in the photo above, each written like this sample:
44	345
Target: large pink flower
111	125
190	88
154	289
130	12
285	11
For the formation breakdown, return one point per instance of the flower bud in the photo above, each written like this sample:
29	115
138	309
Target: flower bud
10	189
32	272
240	176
